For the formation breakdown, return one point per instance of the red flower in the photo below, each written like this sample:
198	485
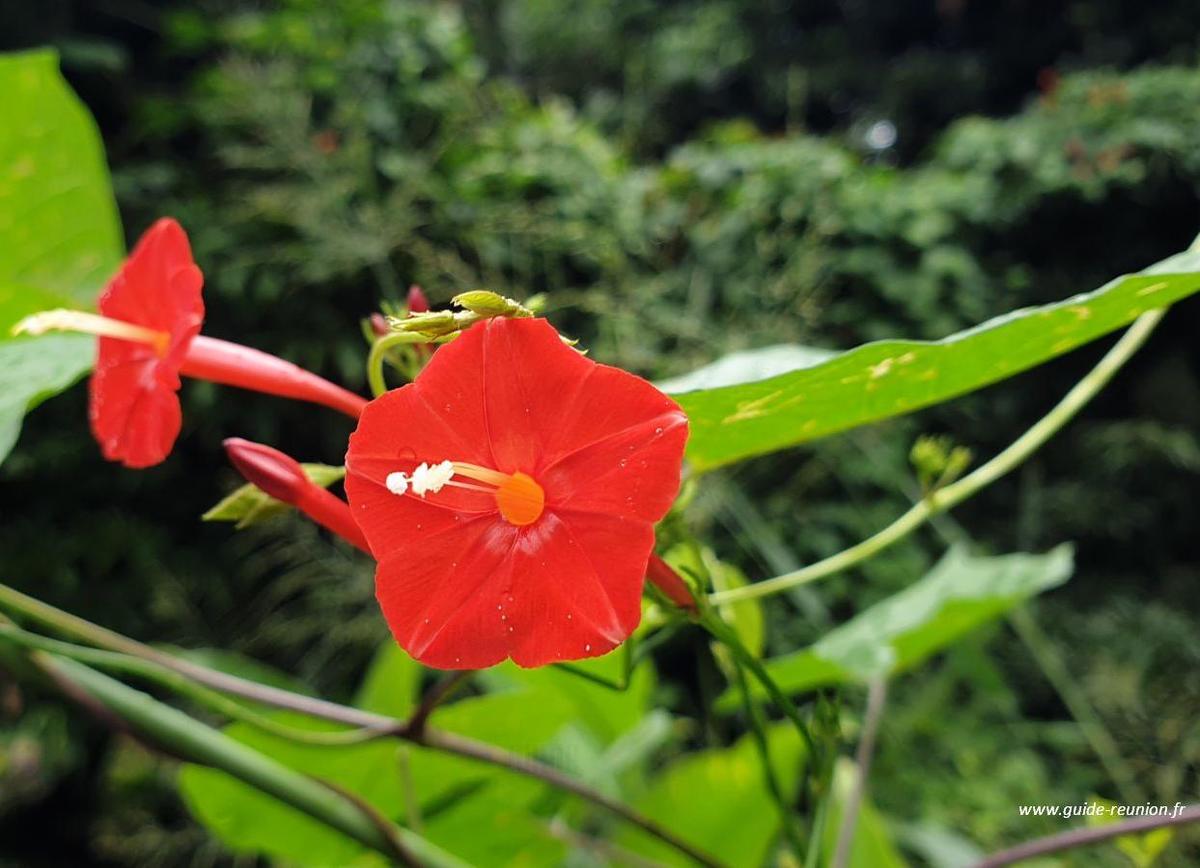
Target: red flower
510	495
133	407
148	328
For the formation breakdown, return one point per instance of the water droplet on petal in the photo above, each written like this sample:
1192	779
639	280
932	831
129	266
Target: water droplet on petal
587	647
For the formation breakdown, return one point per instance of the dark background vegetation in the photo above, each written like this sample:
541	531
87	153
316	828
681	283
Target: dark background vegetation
682	179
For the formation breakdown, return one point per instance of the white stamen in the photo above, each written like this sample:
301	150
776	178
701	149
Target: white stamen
420	479
423	479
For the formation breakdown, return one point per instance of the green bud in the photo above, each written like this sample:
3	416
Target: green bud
938	461
435	323
489	304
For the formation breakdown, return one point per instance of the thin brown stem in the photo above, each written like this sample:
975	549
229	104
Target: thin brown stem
876	697
1088	836
433	698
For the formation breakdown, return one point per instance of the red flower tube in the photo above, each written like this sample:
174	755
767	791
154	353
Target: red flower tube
509	494
148	327
282	477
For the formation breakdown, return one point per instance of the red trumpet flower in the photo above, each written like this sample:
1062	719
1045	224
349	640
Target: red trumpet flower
510	494
282	477
148	328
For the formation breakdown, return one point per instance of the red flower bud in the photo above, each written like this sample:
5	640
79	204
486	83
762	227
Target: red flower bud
279	475
663	576
282	477
417	302
379	324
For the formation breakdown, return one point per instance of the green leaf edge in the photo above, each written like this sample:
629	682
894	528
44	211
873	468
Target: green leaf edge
708	446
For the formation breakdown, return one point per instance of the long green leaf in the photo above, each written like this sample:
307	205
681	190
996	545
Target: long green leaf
59	232
959	594
888	378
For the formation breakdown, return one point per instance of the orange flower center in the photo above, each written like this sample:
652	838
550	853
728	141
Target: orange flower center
519	497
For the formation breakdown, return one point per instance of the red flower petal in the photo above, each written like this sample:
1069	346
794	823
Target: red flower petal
459	585
134	410
580	582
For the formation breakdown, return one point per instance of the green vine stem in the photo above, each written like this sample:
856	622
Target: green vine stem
725	634
112	661
378	355
72	625
951	495
758	729
199	743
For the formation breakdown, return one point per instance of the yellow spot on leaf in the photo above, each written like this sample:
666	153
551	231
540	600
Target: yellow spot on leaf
751	409
882	368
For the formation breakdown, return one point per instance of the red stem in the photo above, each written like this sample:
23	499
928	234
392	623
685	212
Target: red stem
247	368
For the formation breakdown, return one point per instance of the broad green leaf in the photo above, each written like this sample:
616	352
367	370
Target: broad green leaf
938	846
716	800
746	366
871	846
959	593
889	378
391	684
605	712
60	237
497	826
250	821
34	369
249	505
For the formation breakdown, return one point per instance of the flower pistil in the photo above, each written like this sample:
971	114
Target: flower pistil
62	319
519	497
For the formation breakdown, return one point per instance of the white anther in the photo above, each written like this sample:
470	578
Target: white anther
397	483
420	479
431	478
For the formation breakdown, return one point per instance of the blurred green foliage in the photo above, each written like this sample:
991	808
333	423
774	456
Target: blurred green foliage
684	181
